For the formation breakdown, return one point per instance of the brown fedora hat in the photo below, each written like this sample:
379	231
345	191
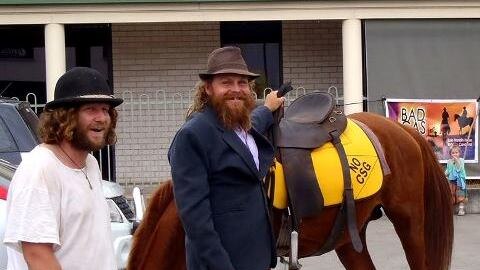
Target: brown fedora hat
226	60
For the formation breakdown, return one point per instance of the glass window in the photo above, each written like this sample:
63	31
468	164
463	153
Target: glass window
22	62
261	47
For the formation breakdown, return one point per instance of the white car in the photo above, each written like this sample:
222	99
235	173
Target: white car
121	216
121	221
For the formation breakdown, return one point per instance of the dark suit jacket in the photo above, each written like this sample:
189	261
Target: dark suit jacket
219	194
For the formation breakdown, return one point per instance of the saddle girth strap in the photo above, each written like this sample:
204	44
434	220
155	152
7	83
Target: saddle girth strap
348	193
337	229
283	240
301	183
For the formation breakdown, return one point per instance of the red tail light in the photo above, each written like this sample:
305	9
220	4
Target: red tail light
3	193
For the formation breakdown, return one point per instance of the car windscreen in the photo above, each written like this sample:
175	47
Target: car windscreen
7	143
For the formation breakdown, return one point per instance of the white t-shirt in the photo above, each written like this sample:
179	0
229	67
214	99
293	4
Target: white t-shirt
49	202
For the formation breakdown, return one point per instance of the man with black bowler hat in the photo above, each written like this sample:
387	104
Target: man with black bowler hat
57	216
219	159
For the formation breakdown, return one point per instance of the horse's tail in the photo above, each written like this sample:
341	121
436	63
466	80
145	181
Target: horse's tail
160	219
438	209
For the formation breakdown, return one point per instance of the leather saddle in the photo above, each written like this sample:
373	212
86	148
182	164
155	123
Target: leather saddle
309	122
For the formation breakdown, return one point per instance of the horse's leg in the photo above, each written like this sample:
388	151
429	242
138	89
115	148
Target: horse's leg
408	221
352	259
403	203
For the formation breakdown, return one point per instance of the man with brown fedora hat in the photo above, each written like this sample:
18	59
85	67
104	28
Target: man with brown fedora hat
219	158
57	215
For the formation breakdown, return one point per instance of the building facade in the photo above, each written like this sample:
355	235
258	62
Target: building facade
152	52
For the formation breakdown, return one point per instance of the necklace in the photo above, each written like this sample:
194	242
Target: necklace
79	167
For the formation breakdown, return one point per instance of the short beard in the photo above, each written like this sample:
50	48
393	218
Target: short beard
236	117
81	141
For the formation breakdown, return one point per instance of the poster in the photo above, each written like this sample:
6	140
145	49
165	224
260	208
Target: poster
443	123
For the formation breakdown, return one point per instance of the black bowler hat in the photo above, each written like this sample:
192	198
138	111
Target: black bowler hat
82	85
226	60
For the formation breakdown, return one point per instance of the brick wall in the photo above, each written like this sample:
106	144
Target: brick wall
155	67
312	54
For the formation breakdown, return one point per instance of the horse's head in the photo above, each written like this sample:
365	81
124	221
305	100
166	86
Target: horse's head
455	117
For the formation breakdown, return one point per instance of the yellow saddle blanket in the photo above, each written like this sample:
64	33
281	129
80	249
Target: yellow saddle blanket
365	169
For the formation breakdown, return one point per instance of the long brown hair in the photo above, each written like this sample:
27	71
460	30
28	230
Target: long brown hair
60	123
201	99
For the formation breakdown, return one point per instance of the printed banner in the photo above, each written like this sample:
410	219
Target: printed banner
443	123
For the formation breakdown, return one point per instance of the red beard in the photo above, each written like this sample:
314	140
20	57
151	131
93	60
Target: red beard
233	110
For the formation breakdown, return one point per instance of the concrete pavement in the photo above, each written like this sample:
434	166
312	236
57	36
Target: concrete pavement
387	253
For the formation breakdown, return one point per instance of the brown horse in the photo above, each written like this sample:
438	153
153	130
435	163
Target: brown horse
415	197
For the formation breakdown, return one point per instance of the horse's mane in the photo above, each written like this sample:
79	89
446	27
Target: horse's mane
160	223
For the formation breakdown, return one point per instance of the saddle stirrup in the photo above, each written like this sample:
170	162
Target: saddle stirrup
293	262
